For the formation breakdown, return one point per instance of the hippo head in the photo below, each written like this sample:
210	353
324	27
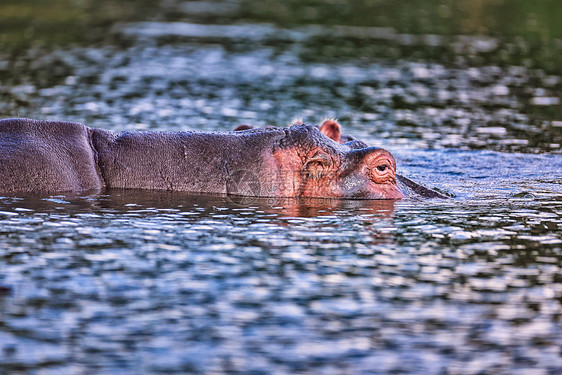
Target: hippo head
311	164
356	170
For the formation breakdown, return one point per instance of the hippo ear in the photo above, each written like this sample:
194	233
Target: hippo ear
331	129
243	127
317	166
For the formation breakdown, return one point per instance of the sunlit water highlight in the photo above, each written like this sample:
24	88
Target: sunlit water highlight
133	281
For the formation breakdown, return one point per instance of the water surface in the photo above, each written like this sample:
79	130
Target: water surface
135	282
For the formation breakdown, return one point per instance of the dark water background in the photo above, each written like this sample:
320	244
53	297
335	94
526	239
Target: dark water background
466	94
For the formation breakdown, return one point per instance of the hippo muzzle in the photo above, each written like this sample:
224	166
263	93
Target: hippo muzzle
370	173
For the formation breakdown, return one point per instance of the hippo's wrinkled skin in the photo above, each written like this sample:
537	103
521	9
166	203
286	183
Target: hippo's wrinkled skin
53	156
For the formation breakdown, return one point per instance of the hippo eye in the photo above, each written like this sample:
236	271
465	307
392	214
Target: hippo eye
382	173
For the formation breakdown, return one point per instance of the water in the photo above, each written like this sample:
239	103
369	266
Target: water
156	282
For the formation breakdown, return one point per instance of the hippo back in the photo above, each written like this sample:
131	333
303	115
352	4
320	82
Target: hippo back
181	161
46	156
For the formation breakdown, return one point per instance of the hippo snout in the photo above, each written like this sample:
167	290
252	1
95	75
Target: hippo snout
370	173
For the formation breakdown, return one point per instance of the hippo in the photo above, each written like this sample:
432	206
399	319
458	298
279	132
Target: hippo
298	161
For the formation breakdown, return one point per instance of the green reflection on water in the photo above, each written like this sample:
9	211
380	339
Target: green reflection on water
446	17
64	21
24	23
529	30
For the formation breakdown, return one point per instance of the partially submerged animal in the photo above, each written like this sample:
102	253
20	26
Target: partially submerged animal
298	161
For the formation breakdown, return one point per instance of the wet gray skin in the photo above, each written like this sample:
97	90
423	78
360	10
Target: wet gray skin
54	156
